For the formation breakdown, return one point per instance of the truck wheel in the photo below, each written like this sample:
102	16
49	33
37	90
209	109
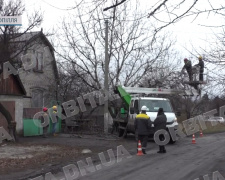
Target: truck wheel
136	135
125	135
171	141
120	132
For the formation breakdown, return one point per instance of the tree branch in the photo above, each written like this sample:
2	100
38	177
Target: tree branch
114	5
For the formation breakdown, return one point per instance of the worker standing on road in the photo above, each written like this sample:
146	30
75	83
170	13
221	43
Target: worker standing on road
201	65
54	123
160	123
188	67
142	125
45	128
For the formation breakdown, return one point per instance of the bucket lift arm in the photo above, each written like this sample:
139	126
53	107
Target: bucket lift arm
137	90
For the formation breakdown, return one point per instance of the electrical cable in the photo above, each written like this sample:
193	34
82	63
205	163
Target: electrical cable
68	9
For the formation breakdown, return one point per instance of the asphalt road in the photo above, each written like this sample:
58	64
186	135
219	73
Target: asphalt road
183	161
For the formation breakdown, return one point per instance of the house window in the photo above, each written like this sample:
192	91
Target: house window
39	61
37	98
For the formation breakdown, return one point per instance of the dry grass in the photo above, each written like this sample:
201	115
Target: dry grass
220	127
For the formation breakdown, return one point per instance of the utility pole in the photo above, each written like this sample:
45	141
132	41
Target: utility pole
106	83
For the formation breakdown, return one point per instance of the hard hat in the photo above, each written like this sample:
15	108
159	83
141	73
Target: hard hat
45	109
200	58
144	108
185	59
54	107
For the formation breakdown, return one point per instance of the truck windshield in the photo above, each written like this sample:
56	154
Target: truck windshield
154	105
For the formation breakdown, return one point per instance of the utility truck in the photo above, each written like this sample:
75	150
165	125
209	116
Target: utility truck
134	98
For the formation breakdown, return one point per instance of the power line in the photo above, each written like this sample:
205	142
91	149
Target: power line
68	9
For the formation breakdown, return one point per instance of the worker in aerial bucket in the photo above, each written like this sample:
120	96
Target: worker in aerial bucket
188	67
201	65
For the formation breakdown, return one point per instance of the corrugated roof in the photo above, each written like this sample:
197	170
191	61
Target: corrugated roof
11	86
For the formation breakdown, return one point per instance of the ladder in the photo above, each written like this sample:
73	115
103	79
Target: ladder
138	90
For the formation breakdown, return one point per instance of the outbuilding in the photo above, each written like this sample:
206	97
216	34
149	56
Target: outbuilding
12	93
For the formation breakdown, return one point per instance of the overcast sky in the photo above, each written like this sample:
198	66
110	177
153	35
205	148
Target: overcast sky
188	33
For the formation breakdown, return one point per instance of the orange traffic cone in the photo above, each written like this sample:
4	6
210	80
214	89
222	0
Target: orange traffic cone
140	153
193	139
201	134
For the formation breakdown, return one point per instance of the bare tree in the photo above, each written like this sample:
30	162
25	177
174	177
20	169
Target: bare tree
214	59
9	50
71	85
165	73
132	48
167	12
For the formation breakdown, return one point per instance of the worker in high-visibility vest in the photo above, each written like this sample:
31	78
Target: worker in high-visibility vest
54	123
142	125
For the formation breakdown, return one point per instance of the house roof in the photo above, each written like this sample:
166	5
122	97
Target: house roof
30	37
12	85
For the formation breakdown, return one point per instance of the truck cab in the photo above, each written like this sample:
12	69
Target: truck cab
153	104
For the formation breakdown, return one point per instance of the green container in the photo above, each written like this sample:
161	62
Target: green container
30	128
